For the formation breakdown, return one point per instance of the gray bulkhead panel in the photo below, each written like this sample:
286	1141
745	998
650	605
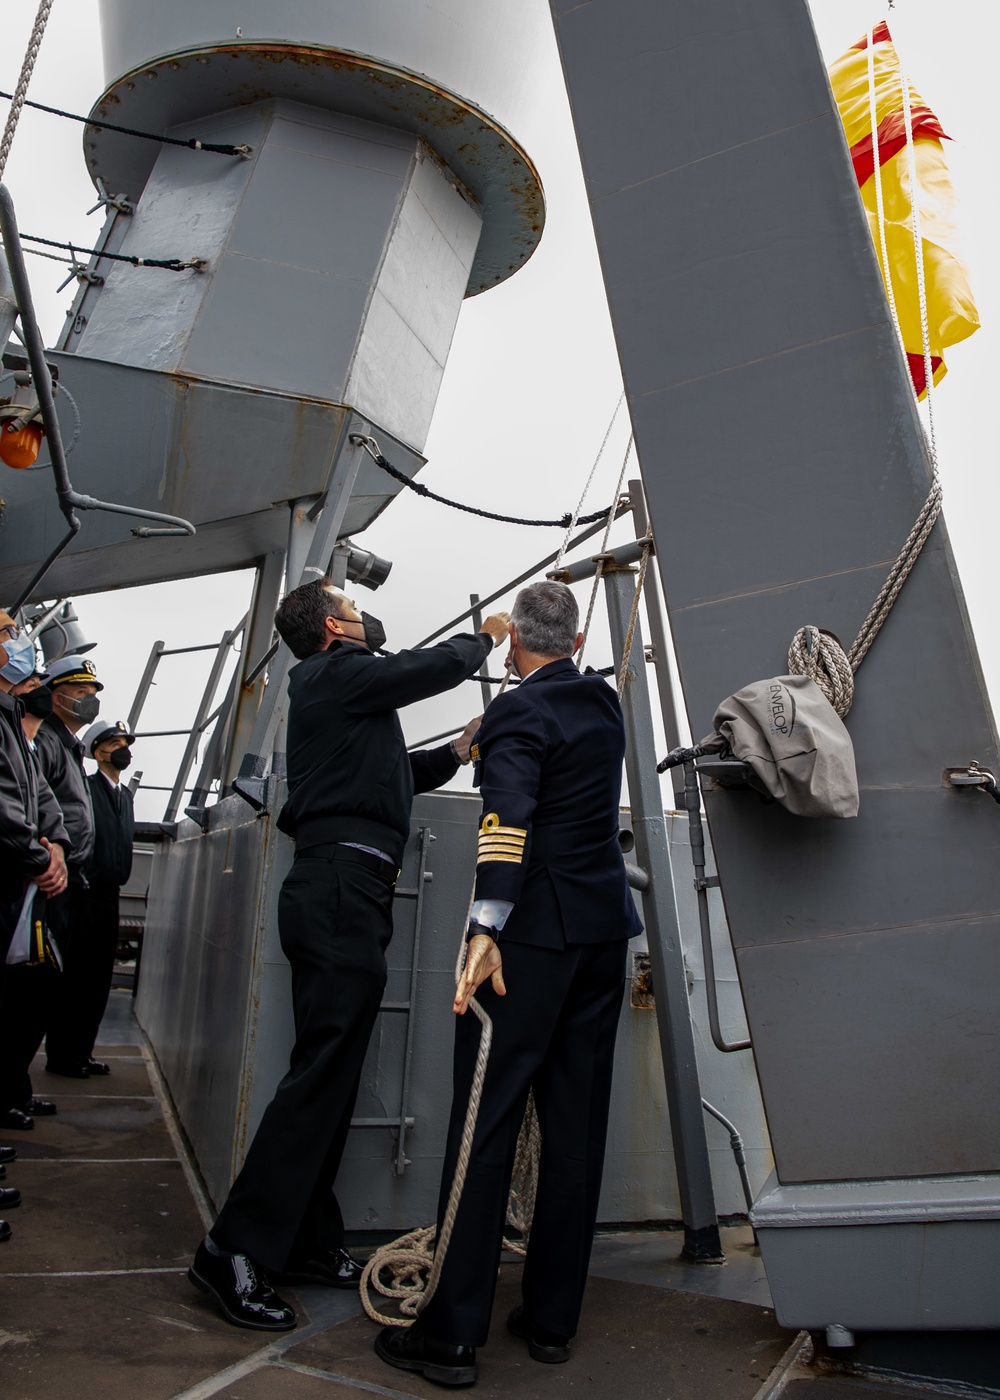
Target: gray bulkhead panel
784	464
337	261
214	999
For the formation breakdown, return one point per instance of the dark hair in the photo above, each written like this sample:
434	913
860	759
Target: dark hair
301	615
546	617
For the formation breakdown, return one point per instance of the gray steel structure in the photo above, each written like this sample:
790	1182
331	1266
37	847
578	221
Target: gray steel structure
214	998
335	258
784	463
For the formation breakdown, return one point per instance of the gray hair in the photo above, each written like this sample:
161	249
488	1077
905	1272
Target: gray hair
547	619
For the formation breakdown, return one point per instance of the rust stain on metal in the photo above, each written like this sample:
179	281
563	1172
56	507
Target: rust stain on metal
642	998
478	151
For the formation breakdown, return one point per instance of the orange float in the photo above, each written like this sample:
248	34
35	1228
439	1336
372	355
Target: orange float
20	449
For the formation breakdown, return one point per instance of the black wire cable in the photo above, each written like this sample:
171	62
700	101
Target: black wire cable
171	264
192	143
562	523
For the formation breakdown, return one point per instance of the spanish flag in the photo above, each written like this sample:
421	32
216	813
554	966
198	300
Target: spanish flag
951	311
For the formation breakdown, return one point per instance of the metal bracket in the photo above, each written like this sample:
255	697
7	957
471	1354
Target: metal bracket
973	776
707	882
252	790
109	201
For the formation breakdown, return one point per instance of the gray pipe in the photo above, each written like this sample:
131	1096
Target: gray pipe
8	306
69	500
692	804
739	1151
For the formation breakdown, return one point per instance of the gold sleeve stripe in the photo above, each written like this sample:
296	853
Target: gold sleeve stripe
514	852
494	840
508	859
491	827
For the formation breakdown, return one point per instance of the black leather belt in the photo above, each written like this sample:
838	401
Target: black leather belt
338	851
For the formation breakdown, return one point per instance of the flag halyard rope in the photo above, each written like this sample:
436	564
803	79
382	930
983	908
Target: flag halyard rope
813	652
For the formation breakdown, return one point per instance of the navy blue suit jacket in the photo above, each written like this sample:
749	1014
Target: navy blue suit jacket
549	765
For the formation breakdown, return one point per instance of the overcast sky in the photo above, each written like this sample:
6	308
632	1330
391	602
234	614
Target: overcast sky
533	376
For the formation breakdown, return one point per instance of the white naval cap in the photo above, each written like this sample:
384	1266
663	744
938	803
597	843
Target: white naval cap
73	668
102	729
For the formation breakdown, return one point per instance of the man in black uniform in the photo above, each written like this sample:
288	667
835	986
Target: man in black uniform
33	839
551	892
110	865
30	986
74	686
350	784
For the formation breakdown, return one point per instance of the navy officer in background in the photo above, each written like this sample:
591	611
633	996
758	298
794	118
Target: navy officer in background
350	787
551	896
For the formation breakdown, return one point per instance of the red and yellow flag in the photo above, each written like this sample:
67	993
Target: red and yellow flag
951	311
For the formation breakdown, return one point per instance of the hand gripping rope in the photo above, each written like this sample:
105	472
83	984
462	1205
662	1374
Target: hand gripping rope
414	1262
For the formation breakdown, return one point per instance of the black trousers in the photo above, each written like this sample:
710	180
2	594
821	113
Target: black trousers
335	923
91	921
554	1032
25	1010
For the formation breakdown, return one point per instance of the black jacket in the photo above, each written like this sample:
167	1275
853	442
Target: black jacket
549	765
114	826
28	809
349	775
61	757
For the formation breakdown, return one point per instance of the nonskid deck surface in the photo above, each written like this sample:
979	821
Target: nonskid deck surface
94	1300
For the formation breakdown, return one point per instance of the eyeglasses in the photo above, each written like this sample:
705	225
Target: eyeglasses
11	630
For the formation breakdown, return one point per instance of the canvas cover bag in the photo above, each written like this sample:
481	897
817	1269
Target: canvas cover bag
32	942
796	744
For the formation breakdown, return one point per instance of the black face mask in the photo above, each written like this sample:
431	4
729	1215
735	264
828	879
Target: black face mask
374	632
120	758
86	707
38	702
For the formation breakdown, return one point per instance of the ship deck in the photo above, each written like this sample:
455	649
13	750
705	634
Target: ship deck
94	1301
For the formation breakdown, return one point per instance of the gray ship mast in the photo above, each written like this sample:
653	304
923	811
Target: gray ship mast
784	463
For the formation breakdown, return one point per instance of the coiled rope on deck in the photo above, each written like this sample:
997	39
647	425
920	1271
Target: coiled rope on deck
814	652
408	1269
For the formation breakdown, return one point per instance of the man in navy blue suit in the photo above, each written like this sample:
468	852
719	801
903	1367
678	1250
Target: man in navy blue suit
547	950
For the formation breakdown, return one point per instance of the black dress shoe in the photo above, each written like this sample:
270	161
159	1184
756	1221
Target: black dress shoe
98	1067
39	1108
14	1118
8	1154
5	1231
411	1349
67	1071
542	1345
334	1268
241	1290
10	1196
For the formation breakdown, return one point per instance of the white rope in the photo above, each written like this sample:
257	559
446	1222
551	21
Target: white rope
413	1262
820	656
624	673
603	550
583	494
879	201
918	249
816	653
24	78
